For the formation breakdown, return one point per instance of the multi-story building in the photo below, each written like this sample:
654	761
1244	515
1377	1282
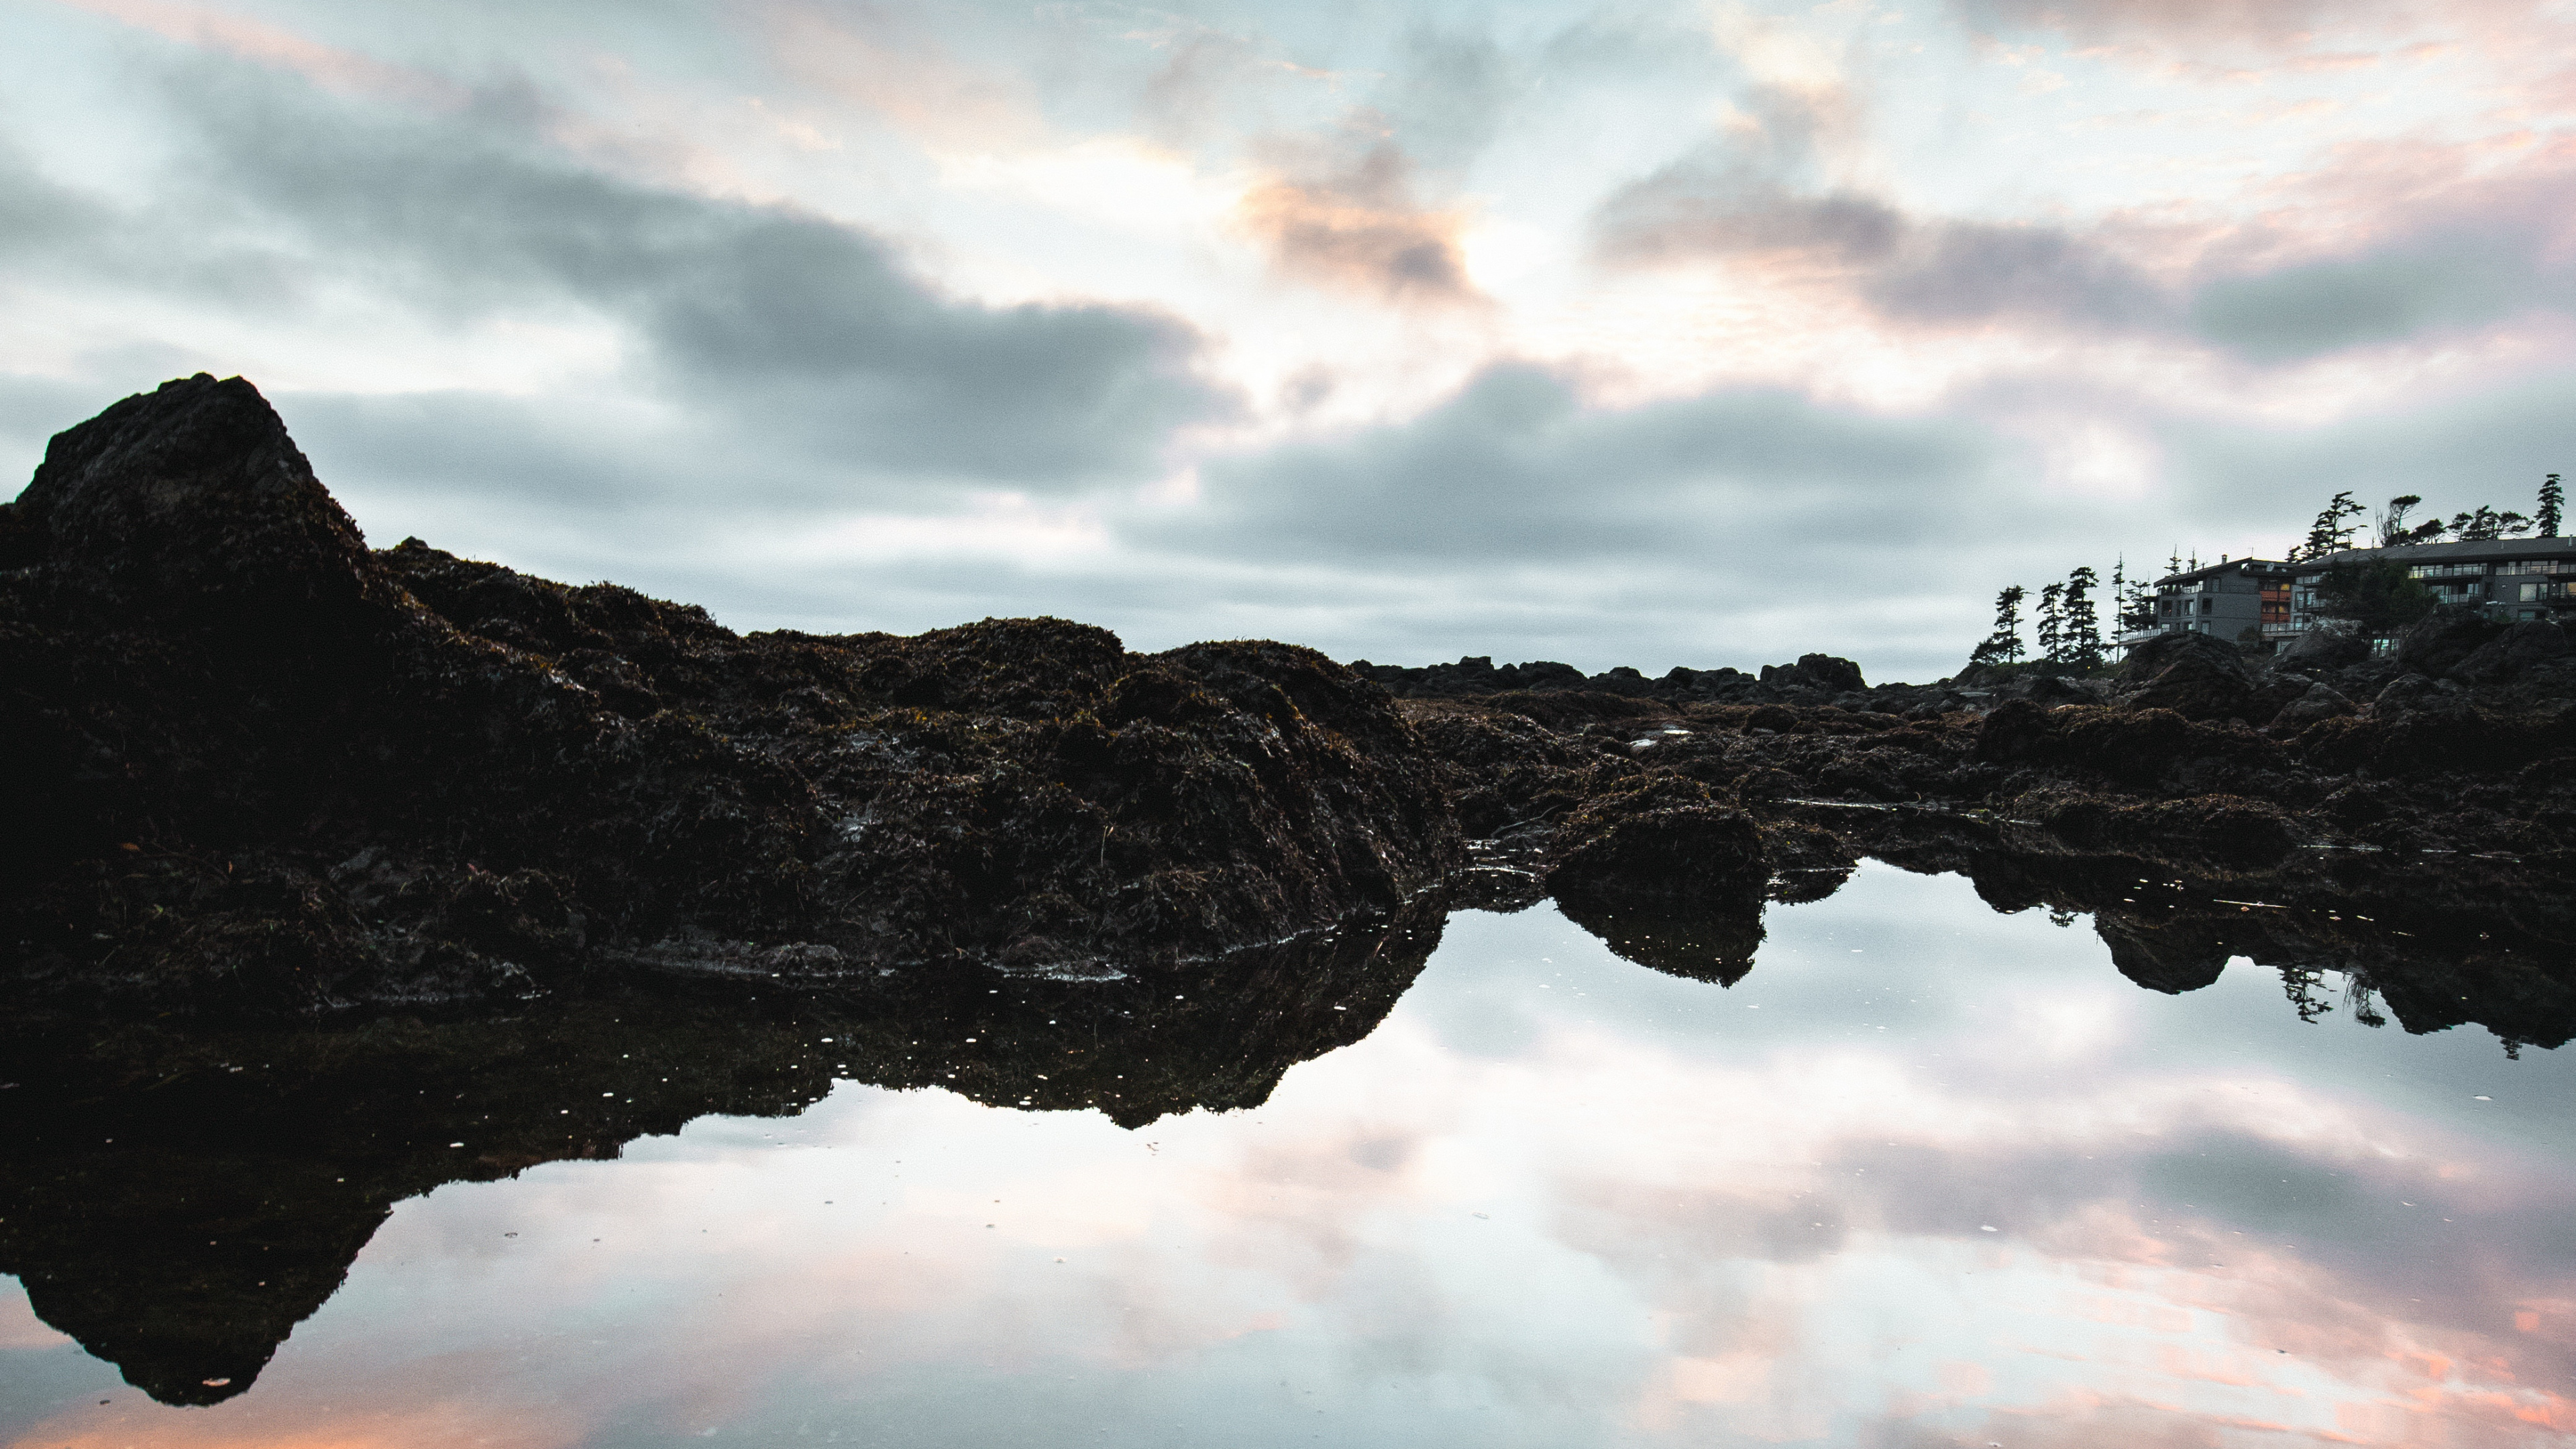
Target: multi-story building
2510	578
2237	600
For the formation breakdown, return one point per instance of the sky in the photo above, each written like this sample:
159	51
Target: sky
1615	333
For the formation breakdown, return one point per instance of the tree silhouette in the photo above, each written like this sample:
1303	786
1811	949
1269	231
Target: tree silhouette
2004	645
2081	633
2330	533
2552	499
2052	623
2486	523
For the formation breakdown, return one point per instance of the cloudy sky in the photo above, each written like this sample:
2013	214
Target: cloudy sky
1636	333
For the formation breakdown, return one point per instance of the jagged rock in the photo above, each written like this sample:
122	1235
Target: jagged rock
1816	671
2168	959
2318	702
2326	646
2194	675
2405	692
2443	639
1669	836
230	722
2507	655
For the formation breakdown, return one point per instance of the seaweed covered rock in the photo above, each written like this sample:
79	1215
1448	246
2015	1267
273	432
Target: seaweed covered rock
2445	638
1669	837
2194	675
259	767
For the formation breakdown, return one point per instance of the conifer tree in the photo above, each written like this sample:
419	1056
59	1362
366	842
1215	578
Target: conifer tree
2552	499
2004	645
2486	523
2330	533
2081	631
2052	623
2394	530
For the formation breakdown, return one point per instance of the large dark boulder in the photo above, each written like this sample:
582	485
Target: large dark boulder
1816	671
2194	675
2326	646
1665	837
2444	639
2318	702
191	506
2509	654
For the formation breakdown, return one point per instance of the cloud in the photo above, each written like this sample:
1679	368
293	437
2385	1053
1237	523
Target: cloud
1516	469
2201	21
809	332
1342	214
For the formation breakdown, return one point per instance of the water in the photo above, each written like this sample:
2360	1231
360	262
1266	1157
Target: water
1929	1175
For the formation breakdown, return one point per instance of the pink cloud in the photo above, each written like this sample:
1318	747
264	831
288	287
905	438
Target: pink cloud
329	66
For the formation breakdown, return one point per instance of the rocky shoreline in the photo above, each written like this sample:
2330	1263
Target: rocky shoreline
264	770
324	860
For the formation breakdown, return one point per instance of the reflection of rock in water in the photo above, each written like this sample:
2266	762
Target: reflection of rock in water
1667	876
1714	943
2162	958
179	1200
2442	940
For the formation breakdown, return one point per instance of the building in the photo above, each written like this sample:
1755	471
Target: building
2238	601
2510	578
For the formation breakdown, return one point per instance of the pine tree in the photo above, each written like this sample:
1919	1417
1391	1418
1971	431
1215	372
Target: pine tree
2081	633
2487	523
2052	623
2330	533
2552	499
2004	645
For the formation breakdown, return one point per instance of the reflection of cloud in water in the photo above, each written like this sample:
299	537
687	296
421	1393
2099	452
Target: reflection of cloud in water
1628	1208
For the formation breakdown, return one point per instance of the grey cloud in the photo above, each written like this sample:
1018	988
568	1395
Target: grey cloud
2381	297
1453	91
806	329
1692	209
1966	271
1515	469
2276	22
1724	203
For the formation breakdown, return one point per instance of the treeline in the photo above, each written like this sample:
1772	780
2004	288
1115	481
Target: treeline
2337	524
2069	628
2373	594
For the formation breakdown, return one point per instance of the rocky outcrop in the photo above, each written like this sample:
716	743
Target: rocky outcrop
2444	639
257	767
2194	675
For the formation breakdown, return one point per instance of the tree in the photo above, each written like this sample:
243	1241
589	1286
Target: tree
2379	596
2487	523
2004	645
2052	623
2394	531
2330	533
2552	498
2081	635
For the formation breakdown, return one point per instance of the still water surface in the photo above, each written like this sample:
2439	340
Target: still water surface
1928	1176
